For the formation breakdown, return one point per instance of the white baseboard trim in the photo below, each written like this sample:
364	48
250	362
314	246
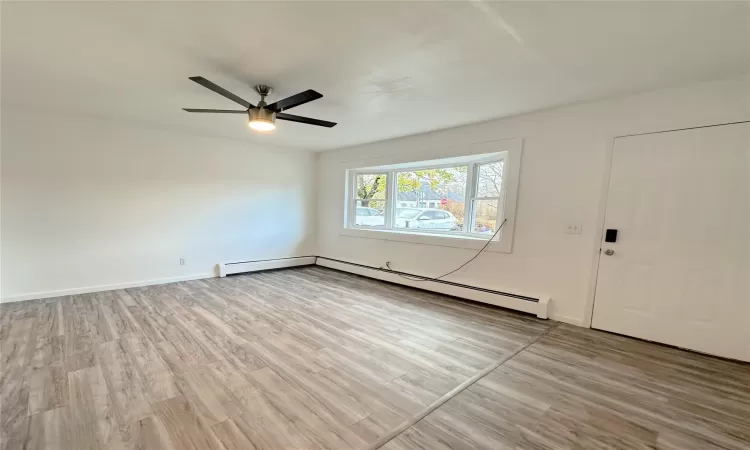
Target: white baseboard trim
539	308
103	287
267	264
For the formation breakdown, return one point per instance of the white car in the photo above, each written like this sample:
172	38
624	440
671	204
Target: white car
369	217
425	218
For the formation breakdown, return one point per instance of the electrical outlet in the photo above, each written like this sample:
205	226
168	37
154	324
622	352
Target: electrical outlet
182	261
573	228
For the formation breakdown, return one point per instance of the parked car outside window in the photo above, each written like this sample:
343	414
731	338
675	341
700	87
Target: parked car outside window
425	219
369	217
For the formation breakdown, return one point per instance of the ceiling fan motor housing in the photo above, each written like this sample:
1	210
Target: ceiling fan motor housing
261	115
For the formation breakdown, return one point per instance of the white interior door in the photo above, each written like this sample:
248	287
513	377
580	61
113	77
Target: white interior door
679	273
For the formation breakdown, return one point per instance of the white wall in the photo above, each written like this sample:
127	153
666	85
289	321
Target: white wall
563	180
93	204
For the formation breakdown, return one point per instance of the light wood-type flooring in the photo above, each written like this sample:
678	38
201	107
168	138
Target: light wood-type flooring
312	358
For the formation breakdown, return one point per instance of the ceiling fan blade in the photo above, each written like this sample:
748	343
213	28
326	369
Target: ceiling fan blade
224	111
221	91
307	120
295	100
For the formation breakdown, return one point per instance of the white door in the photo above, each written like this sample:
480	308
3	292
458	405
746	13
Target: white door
679	273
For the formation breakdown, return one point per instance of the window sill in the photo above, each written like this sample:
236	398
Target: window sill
441	240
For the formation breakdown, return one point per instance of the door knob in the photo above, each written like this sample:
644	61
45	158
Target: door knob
609	252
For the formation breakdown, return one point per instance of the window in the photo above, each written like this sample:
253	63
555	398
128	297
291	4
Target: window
370	200
460	197
429	191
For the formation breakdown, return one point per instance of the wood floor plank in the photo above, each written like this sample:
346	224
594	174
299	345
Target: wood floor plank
125	382
15	434
229	375
158	378
264	425
50	430
50	321
151	324
334	398
147	434
186	430
18	349
202	387
232	437
182	335
93	422
307	415
79	345
48	388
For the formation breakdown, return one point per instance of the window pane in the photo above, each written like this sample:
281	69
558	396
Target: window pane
423	194
490	179
485	216
370	213
371	186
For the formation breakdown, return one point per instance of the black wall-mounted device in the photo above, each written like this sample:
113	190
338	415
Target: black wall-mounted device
610	235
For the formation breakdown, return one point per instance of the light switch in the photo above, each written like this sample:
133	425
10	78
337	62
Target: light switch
573	228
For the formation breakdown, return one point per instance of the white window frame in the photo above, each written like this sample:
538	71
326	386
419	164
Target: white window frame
351	197
510	153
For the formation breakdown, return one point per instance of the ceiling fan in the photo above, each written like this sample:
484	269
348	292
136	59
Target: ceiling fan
263	117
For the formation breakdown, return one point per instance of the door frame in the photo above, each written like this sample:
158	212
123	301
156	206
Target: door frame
602	211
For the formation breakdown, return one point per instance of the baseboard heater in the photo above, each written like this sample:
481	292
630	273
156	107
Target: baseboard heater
264	264
537	305
532	304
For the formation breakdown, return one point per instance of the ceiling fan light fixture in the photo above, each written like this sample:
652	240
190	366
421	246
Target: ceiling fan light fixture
262	120
262	117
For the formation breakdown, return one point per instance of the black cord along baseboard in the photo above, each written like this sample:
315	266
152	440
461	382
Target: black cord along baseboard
450	283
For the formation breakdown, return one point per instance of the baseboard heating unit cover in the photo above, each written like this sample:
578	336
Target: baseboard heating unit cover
532	304
264	264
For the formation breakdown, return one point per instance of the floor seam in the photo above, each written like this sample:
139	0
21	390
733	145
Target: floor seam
457	390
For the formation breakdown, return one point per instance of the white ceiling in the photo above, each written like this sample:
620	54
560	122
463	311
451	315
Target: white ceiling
386	69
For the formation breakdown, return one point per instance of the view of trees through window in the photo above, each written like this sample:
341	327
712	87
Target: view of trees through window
432	199
487	199
371	201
